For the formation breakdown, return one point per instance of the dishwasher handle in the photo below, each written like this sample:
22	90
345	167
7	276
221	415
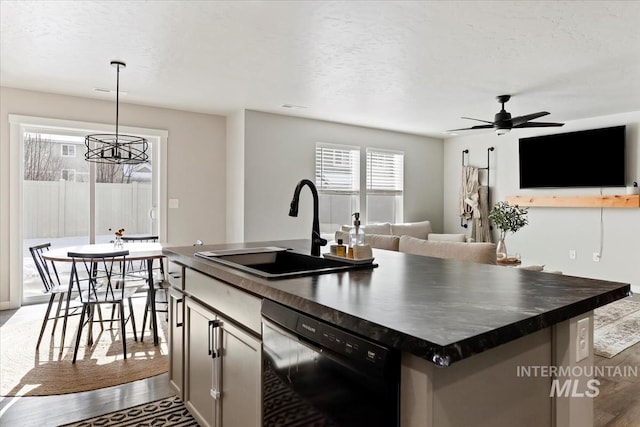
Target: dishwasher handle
277	328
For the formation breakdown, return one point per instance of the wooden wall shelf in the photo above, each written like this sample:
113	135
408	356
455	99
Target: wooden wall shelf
604	201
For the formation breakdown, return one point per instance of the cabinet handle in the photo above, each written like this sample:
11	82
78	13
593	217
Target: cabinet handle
209	338
216	391
213	342
179	323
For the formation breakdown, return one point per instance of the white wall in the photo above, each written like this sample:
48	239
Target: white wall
280	151
235	177
196	161
552	232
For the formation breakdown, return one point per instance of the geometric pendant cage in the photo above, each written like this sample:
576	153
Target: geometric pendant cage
116	148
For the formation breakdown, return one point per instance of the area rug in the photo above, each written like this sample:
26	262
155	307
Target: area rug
616	327
26	371
167	412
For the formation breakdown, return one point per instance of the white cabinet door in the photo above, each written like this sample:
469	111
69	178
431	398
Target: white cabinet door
199	363
223	386
241	400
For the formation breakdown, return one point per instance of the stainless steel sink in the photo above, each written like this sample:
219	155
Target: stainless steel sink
275	262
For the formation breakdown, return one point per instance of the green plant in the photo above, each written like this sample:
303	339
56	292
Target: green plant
508	218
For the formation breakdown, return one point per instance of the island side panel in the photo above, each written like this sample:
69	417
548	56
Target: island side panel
416	391
574	392
483	390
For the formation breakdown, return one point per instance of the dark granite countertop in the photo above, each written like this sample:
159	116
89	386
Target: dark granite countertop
441	310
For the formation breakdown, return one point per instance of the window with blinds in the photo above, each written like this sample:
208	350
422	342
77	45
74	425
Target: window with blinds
338	184
338	177
337	169
385	172
385	186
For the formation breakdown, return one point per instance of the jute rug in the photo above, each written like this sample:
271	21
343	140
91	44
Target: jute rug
616	327
167	412
26	371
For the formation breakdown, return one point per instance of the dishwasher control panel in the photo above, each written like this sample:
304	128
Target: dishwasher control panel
328	337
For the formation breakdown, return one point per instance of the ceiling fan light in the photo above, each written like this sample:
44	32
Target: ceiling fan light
503	122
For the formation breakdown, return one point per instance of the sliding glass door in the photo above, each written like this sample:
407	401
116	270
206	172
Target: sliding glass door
124	200
68	201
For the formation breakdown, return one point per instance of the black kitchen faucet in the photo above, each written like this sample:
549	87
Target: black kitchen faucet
316	239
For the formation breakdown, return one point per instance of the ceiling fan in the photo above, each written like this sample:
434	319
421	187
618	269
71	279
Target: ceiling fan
503	122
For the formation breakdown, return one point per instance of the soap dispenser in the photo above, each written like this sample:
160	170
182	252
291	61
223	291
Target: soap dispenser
356	235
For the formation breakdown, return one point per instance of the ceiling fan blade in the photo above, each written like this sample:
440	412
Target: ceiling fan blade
539	125
523	119
473	127
478	120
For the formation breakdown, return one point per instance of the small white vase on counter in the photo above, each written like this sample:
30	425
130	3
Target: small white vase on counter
501	250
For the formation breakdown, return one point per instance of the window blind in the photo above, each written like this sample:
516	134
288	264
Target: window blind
337	168
385	172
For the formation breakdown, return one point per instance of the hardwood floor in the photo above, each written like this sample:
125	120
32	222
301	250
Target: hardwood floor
48	411
617	405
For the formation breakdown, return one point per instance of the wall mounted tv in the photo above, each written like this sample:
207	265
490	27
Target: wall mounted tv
590	158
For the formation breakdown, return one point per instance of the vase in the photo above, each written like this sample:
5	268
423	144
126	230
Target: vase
501	250
118	243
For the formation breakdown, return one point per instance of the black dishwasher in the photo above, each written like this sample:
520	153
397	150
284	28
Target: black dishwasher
314	374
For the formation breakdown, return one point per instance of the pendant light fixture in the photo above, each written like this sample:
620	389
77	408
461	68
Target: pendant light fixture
116	148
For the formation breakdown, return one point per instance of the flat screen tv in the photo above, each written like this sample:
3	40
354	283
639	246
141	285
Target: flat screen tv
589	158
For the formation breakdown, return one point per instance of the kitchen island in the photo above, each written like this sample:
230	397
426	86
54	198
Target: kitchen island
467	332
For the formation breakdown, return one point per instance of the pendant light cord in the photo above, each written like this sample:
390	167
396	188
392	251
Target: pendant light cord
117	98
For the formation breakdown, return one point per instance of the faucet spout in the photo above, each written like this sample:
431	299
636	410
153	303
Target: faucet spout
316	240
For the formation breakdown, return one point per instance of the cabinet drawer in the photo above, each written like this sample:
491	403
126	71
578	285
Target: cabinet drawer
225	299
175	275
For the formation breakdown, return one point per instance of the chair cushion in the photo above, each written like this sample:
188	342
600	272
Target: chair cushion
435	237
380	241
419	230
484	253
383	228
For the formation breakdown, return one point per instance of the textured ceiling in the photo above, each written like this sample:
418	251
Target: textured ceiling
408	66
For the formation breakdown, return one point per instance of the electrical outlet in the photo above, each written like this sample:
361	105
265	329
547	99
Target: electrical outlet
596	257
572	254
582	339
